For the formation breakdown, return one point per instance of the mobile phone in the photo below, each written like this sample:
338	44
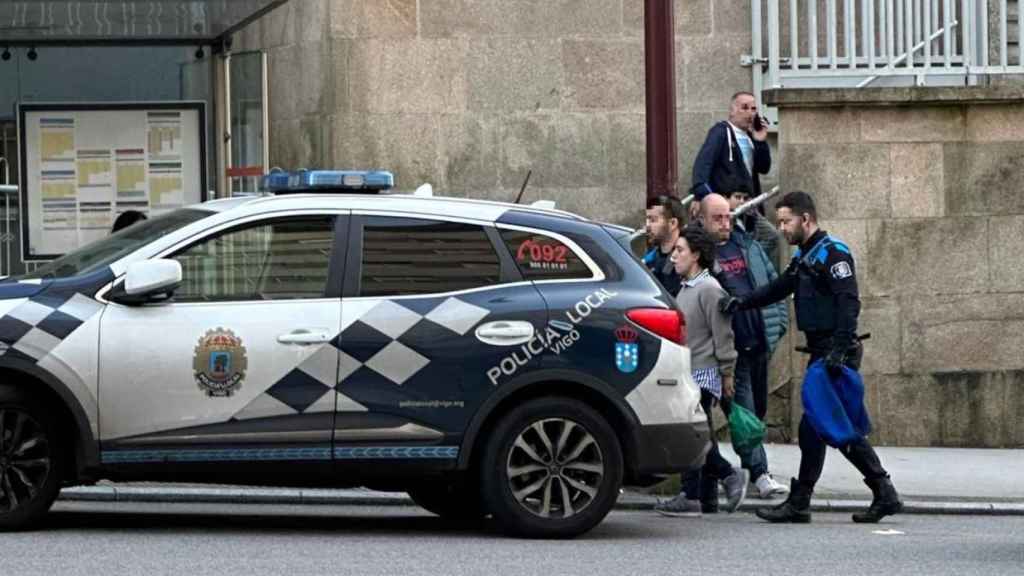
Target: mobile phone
759	122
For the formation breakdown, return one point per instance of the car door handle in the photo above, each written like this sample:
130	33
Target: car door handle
306	336
505	333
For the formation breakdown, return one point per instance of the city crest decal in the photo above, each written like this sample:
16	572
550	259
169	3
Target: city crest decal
219	363
627	349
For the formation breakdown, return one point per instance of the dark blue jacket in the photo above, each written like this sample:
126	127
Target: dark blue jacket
762	272
663	270
719	167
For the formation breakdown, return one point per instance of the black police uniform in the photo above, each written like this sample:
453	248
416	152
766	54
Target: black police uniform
822	276
660	264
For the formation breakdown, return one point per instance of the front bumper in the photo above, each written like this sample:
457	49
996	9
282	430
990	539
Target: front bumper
670	448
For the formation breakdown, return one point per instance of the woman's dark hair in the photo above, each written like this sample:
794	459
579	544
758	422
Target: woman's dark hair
699	241
126	219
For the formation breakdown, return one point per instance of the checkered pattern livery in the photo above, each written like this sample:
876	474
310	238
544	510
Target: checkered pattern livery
381	345
33	329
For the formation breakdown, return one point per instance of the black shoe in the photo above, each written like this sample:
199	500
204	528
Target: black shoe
886	501
709	506
796	509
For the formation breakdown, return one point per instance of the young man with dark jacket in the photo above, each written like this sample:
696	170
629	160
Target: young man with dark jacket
754	224
665	216
734	152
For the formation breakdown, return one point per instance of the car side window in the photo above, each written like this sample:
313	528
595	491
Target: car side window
407	256
283	259
541	257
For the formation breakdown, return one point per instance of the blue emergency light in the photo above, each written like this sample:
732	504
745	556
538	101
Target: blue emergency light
282	182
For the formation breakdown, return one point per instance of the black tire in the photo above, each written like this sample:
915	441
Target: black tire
452	500
31	460
517	488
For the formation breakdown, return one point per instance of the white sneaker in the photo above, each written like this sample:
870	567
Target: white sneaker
768	488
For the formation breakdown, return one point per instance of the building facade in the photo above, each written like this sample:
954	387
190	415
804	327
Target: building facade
910	145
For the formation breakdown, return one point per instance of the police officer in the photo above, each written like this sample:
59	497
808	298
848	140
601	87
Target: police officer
823	278
665	217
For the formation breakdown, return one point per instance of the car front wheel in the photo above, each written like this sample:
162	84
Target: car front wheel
29	460
551	468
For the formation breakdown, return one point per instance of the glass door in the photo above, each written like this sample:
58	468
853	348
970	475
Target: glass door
247	149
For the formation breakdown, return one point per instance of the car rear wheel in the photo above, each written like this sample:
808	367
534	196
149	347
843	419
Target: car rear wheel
30	460
551	468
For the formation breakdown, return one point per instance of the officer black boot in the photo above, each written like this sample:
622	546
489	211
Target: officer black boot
796	509
885	502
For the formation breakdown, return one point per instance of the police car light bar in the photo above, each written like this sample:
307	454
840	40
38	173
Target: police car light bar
282	182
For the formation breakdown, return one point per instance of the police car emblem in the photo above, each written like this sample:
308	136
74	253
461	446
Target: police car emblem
841	270
627	350
219	363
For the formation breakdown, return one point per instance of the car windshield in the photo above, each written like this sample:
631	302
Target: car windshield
104	252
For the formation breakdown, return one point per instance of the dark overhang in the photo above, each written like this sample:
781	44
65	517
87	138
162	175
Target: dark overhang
126	22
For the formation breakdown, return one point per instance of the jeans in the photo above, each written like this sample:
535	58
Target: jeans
702	483
751	379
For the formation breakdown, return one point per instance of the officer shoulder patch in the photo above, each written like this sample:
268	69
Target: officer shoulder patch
841	270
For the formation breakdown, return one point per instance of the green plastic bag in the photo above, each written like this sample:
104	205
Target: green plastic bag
746	429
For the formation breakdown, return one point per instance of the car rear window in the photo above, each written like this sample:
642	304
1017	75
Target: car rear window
541	257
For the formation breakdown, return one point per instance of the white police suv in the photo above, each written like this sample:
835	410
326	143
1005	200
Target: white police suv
487	358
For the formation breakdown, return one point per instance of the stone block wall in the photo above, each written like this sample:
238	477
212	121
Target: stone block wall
471	94
927	187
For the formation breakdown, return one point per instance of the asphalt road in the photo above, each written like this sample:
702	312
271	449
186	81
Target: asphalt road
194	539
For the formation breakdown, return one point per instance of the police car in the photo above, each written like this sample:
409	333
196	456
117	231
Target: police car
487	358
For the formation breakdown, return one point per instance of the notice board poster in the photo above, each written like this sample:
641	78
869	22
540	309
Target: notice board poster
84	164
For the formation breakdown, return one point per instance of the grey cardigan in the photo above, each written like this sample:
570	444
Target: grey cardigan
708	331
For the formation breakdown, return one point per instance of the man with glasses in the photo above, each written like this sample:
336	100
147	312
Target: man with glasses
734	153
665	217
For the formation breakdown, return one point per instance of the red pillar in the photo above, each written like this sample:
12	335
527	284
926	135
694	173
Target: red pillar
659	51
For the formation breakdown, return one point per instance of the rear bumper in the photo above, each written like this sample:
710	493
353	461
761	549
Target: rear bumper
669	448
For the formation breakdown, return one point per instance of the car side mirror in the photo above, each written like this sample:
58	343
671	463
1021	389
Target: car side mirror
147	282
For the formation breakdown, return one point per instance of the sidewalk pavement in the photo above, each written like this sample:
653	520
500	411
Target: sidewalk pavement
930	481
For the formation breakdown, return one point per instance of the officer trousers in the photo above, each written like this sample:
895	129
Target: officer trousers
812	456
860	453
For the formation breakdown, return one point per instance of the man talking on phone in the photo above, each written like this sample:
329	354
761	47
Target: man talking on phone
734	153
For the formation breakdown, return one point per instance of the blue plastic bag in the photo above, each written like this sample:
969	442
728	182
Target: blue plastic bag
835	408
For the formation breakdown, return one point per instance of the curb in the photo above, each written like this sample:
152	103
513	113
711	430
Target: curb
369	498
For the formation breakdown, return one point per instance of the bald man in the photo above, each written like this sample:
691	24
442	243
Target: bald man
735	152
741	266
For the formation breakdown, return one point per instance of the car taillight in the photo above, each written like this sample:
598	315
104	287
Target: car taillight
669	324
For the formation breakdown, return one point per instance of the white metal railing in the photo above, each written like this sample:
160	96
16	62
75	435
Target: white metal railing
856	43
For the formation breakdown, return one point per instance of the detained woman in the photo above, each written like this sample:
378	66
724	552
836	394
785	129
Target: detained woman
712	360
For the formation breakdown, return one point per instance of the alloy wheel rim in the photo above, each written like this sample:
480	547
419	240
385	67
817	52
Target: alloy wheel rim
555	468
24	459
